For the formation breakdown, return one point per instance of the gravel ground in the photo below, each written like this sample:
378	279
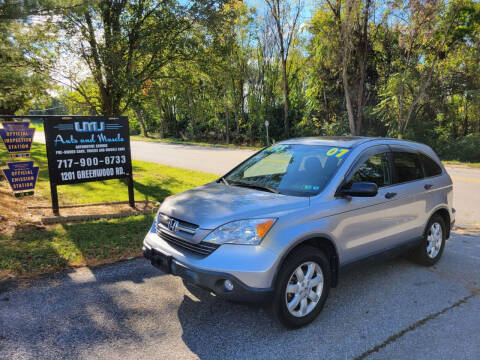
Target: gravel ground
130	310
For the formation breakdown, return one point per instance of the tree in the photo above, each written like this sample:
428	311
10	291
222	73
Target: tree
428	31
26	53
352	18
126	43
283	20
24	60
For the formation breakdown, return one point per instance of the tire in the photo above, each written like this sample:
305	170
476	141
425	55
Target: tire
431	249
306	258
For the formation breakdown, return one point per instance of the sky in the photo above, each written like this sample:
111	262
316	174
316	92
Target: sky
307	13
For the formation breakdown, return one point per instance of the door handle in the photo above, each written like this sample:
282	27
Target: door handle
428	186
390	195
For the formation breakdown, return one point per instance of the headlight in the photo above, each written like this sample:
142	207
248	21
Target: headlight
243	232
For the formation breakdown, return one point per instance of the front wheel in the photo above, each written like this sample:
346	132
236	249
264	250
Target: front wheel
302	287
431	250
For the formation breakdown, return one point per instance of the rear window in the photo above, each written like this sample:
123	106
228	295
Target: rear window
407	166
430	166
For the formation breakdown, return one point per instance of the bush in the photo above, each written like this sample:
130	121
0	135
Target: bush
134	126
464	149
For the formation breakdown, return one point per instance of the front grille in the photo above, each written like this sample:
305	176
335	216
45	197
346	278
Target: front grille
183	226
202	248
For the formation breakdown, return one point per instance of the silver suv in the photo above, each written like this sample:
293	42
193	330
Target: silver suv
281	226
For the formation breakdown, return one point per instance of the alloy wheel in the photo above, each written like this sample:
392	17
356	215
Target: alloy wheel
304	289
434	240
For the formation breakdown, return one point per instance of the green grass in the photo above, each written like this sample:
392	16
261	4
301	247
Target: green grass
151	182
455	162
37	124
34	252
196	143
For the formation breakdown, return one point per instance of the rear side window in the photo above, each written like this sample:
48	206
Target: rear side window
407	166
430	166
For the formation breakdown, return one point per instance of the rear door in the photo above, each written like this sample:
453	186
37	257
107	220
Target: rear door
409	189
435	190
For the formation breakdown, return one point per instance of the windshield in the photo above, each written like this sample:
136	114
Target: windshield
301	170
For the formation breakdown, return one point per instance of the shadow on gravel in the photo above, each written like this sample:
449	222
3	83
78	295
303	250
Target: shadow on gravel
63	314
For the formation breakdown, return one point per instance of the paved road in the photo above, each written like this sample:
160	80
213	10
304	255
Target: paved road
130	310
466	195
214	160
221	160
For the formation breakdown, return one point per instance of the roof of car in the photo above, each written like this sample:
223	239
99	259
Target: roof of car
340	141
348	141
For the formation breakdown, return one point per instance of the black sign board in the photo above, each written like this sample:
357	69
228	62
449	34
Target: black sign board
87	148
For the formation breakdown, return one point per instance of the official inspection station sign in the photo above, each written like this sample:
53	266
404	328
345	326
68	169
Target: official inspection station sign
17	137
22	176
87	148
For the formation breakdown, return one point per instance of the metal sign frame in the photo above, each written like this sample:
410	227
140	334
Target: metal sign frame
51	155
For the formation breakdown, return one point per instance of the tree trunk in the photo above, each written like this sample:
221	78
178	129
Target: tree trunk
242	101
362	65
348	100
236	107
227	125
161	111
346	33
285	95
141	120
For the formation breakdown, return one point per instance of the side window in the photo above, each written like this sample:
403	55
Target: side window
375	170
407	165
430	166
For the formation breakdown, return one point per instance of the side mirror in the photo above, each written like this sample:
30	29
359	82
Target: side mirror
361	189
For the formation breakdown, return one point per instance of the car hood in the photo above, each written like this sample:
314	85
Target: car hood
215	204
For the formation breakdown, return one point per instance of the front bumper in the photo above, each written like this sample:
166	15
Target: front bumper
249	268
215	281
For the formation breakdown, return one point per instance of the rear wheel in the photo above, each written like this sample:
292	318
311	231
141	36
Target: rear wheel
431	250
302	287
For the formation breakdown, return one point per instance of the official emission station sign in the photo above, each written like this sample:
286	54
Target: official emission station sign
21	175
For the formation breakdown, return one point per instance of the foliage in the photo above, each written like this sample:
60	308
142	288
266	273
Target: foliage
465	149
214	71
127	44
24	58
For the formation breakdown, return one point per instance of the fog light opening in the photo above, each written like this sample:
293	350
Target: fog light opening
228	285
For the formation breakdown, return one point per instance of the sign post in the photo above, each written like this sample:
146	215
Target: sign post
266	127
87	148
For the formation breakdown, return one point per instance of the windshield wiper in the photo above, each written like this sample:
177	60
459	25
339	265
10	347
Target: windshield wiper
256	187
222	179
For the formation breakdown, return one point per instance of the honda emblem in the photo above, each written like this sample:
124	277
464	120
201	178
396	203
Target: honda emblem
172	225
